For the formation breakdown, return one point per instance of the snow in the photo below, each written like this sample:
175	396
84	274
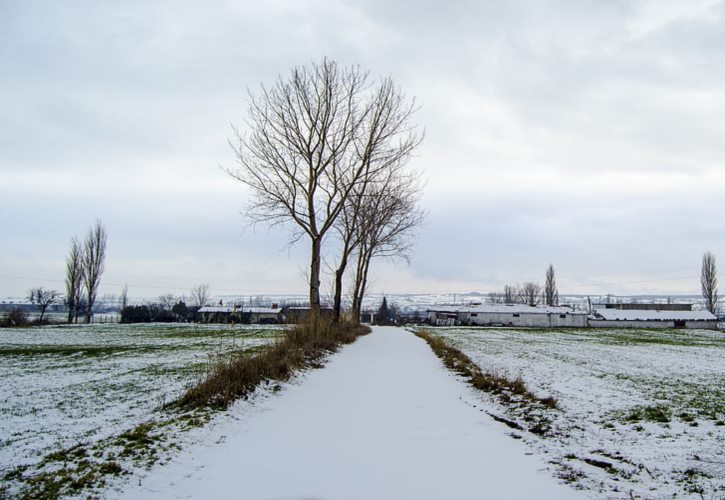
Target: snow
231	309
507	308
382	420
600	377
648	315
81	383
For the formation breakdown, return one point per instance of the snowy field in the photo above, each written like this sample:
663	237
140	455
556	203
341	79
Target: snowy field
68	384
642	412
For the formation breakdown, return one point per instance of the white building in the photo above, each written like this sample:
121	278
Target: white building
517	315
608	317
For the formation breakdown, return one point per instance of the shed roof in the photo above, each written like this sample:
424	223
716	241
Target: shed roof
230	309
648	315
507	308
262	310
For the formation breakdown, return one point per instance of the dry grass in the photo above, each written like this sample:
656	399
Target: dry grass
456	360
303	346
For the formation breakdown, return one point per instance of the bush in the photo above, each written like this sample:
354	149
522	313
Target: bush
135	314
16	317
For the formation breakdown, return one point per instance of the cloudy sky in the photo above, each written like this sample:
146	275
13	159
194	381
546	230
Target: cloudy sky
586	134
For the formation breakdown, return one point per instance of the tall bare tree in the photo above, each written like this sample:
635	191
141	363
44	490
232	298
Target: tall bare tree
73	278
94	255
551	294
313	137
44	298
200	295
530	294
708	282
509	294
123	298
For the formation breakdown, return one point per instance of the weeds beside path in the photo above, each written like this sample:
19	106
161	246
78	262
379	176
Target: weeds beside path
303	346
508	391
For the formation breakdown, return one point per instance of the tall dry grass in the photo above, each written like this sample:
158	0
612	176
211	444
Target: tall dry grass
303	346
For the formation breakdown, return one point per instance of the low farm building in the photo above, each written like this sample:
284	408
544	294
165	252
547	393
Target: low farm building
664	316
517	315
239	314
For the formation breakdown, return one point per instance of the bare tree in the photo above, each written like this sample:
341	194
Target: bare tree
509	294
200	295
44	298
167	301
551	294
314	137
73	278
530	294
388	217
708	282
94	255
495	298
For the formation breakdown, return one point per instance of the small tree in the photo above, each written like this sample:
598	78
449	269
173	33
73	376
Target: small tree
530	294
181	311
384	315
509	294
708	282
94	255
167	301
123	298
200	295
44	299
551	294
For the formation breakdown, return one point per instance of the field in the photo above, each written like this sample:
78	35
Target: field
641	413
63	385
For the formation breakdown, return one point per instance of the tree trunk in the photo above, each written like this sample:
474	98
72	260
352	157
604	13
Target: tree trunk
337	306
315	279
364	281
356	289
339	274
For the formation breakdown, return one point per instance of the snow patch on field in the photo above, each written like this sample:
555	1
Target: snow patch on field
641	411
64	385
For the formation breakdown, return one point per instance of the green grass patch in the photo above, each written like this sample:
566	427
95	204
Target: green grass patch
655	413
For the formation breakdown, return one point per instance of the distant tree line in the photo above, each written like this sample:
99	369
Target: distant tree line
167	308
529	293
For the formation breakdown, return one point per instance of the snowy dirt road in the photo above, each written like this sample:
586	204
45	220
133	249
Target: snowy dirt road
383	420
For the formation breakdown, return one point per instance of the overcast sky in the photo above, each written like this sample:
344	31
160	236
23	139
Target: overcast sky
586	134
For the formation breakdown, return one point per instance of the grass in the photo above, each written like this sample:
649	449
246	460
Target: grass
654	413
302	347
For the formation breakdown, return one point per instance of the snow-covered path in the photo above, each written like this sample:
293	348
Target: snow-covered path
383	420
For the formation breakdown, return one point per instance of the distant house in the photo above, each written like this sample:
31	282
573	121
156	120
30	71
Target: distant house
516	315
651	316
264	315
